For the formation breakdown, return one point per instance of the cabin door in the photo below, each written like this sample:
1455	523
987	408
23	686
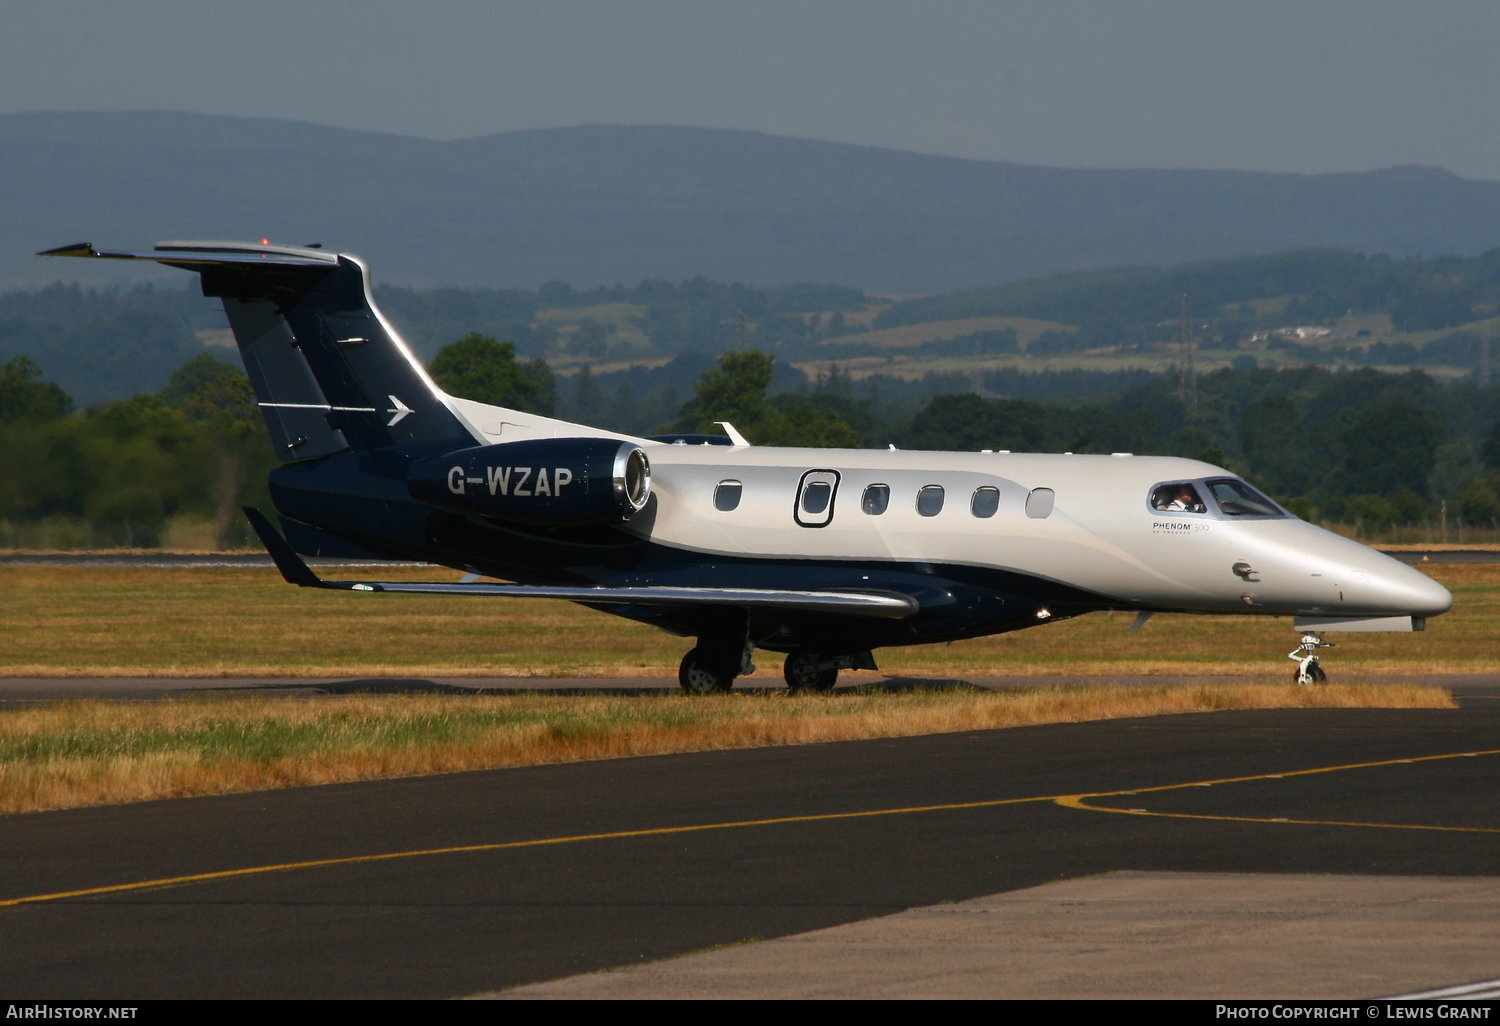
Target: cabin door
815	495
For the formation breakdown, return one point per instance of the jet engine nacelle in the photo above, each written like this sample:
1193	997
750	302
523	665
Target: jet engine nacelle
568	481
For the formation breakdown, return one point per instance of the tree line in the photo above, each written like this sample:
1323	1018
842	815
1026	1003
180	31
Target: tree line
103	344
1359	447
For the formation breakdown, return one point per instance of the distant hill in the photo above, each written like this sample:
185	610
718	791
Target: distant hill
1055	334
597	205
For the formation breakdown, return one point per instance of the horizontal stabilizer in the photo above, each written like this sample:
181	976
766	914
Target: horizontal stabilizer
328	371
886	604
196	255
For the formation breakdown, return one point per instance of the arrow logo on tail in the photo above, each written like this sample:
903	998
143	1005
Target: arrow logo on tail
400	411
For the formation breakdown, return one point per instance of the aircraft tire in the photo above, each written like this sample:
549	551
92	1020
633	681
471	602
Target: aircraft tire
697	679
801	673
1315	675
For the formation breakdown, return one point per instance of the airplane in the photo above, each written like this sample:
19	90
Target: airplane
825	555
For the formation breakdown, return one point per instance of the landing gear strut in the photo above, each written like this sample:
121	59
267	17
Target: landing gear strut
704	672
808	671
814	671
722	654
1306	656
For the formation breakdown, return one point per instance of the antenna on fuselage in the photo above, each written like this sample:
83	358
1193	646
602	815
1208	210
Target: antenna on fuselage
734	436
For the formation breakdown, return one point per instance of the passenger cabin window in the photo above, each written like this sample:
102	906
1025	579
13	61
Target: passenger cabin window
1237	499
875	500
985	502
815	498
930	500
1039	503
1177	497
727	495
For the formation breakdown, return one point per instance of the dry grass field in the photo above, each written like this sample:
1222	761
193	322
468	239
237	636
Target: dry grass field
247	622
57	622
73	754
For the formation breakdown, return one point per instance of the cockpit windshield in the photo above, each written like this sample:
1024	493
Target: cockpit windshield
1178	497
1237	499
1225	496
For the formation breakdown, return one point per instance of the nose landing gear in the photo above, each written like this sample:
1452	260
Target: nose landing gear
1309	671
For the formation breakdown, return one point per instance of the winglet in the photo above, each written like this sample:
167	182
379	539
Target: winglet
286	559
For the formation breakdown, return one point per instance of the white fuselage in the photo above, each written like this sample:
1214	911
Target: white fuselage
1099	534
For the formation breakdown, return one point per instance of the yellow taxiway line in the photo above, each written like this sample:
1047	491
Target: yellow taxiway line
1071	801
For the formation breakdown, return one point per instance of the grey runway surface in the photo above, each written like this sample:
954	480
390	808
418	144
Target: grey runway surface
473	883
1208	936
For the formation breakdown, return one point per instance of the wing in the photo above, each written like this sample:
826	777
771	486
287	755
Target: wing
887	604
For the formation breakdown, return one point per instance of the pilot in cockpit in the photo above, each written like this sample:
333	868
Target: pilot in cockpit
1181	498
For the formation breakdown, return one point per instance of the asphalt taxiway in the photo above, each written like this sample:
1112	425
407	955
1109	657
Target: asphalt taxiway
474	883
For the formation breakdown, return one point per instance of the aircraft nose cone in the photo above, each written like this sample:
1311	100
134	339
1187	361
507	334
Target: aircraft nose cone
1428	597
1340	576
1401	589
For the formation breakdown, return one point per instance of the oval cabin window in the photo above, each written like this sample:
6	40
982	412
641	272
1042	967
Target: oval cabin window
727	495
930	500
1039	503
815	497
985	503
875	500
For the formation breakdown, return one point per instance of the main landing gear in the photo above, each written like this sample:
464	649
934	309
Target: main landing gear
1306	656
808	671
702	674
705	671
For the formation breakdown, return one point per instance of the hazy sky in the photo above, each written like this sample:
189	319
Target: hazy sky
1281	85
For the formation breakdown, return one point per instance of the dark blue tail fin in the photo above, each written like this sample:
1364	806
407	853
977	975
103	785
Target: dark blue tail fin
329	373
